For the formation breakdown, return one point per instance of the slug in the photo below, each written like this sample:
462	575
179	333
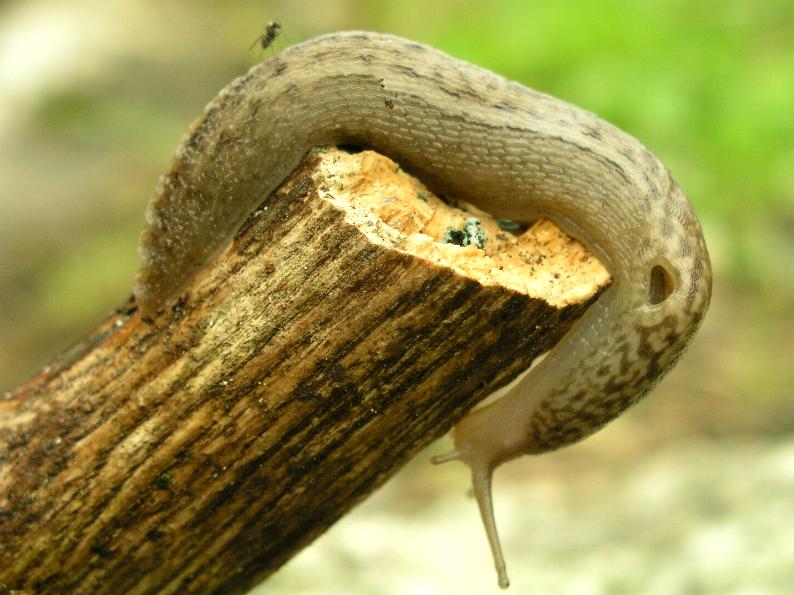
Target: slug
467	132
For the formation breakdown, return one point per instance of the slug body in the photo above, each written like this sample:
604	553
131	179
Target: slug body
469	133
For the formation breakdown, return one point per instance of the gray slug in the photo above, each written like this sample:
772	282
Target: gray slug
469	133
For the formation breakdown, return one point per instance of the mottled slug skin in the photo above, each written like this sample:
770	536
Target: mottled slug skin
469	133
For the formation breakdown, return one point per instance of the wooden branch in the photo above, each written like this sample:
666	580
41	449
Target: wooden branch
328	345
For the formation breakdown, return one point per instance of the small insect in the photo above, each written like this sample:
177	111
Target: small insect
272	29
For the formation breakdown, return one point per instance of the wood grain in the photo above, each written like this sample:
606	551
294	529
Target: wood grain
198	451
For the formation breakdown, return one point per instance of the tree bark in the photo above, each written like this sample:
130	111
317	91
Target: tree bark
199	451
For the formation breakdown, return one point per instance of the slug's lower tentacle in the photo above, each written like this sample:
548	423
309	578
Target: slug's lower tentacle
481	479
481	476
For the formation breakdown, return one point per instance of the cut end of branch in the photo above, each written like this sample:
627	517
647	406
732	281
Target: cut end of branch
396	210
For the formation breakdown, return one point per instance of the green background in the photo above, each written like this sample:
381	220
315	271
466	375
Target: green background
692	491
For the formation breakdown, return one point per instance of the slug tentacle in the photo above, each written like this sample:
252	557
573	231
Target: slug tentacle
481	478
454	455
472	134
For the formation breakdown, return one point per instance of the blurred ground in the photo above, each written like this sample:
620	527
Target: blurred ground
689	492
689	517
